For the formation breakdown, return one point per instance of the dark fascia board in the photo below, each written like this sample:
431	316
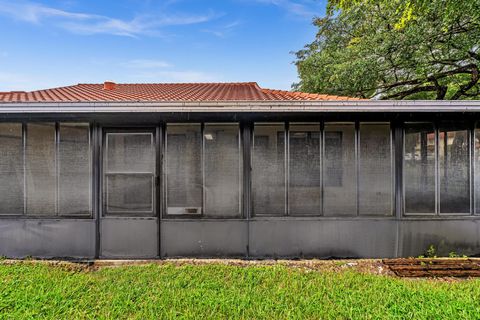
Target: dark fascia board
394	106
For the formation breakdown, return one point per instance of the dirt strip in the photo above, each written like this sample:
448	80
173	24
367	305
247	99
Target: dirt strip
367	266
447	268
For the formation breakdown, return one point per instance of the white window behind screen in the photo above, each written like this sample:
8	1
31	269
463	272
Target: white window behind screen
375	169
11	168
268	170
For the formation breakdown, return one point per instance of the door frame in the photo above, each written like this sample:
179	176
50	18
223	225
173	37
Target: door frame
155	130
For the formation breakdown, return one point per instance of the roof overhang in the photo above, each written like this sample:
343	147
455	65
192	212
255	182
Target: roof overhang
368	106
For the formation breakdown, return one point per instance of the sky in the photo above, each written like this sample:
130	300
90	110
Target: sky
52	43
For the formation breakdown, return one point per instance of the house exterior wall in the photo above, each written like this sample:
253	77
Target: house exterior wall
369	221
47	238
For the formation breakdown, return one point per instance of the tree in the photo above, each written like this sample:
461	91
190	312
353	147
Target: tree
394	49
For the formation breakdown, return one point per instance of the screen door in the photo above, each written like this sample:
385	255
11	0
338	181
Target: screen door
129	223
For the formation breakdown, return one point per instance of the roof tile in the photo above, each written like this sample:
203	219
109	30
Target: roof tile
164	92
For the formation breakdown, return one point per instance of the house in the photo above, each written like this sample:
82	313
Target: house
231	169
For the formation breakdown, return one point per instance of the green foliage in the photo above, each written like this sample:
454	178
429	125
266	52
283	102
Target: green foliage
399	49
453	254
410	9
31	291
431	252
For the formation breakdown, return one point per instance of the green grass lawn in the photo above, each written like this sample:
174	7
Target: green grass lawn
29	290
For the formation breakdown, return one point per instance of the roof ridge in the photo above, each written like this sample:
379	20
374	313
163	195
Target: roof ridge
164	83
13	91
54	88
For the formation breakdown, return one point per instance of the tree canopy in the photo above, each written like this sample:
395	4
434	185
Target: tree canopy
394	49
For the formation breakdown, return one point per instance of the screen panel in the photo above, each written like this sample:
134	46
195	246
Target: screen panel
130	152
476	163
41	169
419	168
304	169
454	169
268	169
375	169
184	169
11	168
340	182
74	165
129	174
130	192
222	170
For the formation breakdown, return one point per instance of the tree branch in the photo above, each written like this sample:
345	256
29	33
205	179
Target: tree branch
474	55
463	69
464	88
441	90
406	93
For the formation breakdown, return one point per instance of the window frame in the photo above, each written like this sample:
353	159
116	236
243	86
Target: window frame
91	162
103	173
322	123
164	165
246	130
437	125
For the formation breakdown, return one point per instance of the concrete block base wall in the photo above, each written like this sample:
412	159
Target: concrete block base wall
255	238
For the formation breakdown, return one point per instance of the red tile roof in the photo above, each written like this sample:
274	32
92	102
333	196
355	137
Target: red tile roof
163	92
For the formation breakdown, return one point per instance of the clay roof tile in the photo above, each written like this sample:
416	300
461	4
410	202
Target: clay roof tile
164	92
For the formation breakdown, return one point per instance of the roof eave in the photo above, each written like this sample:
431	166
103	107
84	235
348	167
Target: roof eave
244	106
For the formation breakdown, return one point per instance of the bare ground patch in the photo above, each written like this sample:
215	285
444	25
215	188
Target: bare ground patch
365	266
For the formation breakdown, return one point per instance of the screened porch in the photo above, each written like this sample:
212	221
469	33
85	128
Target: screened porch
242	187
